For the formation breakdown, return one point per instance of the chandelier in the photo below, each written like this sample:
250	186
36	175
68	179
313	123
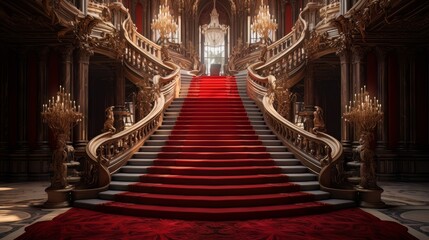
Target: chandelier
61	113
164	23
264	23
363	111
214	32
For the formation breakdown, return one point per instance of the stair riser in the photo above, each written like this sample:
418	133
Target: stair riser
238	214
215	181
215	203
213	192
212	171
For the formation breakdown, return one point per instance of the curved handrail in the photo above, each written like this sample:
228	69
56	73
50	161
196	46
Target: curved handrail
109	151
142	61
289	64
321	153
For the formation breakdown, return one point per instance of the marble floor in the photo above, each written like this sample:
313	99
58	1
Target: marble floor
21	204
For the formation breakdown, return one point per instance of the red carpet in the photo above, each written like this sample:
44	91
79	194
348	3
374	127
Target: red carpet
343	224
213	166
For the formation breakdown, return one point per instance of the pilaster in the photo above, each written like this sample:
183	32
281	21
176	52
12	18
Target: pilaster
81	94
42	98
346	138
381	54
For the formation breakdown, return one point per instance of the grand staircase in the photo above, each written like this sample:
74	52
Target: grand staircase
213	158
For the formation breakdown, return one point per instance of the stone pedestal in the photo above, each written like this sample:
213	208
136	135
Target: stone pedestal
371	198
58	198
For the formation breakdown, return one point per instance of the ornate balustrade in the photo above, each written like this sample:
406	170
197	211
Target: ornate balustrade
142	62
323	154
245	55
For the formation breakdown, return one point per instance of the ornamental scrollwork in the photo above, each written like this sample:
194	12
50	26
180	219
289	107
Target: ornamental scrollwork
82	29
359	19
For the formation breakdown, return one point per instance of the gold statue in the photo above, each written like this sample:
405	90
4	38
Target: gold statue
318	122
108	124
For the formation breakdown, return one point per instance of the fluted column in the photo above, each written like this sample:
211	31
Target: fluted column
81	95
404	98
42	98
382	131
67	68
359	68
345	97
22	101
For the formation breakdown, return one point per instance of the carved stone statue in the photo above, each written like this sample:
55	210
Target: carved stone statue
108	124
59	167
366	156
318	122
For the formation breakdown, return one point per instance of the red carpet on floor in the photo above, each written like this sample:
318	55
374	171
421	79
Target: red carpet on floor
343	225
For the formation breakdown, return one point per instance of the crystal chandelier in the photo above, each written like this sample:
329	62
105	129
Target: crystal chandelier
164	23
214	32
264	23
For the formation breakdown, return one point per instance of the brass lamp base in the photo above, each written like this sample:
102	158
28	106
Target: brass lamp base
58	198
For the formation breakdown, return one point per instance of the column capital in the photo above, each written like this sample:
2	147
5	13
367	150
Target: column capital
66	53
84	55
359	53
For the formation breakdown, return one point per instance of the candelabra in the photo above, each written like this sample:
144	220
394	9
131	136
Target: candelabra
164	22
365	112
61	114
264	23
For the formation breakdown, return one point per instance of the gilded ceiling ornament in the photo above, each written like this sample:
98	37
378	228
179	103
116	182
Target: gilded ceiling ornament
50	7
319	42
359	19
83	29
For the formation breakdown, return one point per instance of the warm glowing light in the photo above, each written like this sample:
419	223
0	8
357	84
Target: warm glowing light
214	32
264	23
61	113
364	111
164	22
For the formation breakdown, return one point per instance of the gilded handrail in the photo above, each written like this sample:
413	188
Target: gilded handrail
142	60
321	153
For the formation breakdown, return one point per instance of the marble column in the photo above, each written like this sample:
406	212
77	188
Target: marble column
81	95
67	68
404	97
381	54
358	78
359	68
346	138
18	158
22	101
42	98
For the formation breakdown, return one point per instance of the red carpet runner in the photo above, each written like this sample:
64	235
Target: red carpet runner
348	224
213	167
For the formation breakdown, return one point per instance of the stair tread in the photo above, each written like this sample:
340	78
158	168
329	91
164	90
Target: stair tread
314	194
214	157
